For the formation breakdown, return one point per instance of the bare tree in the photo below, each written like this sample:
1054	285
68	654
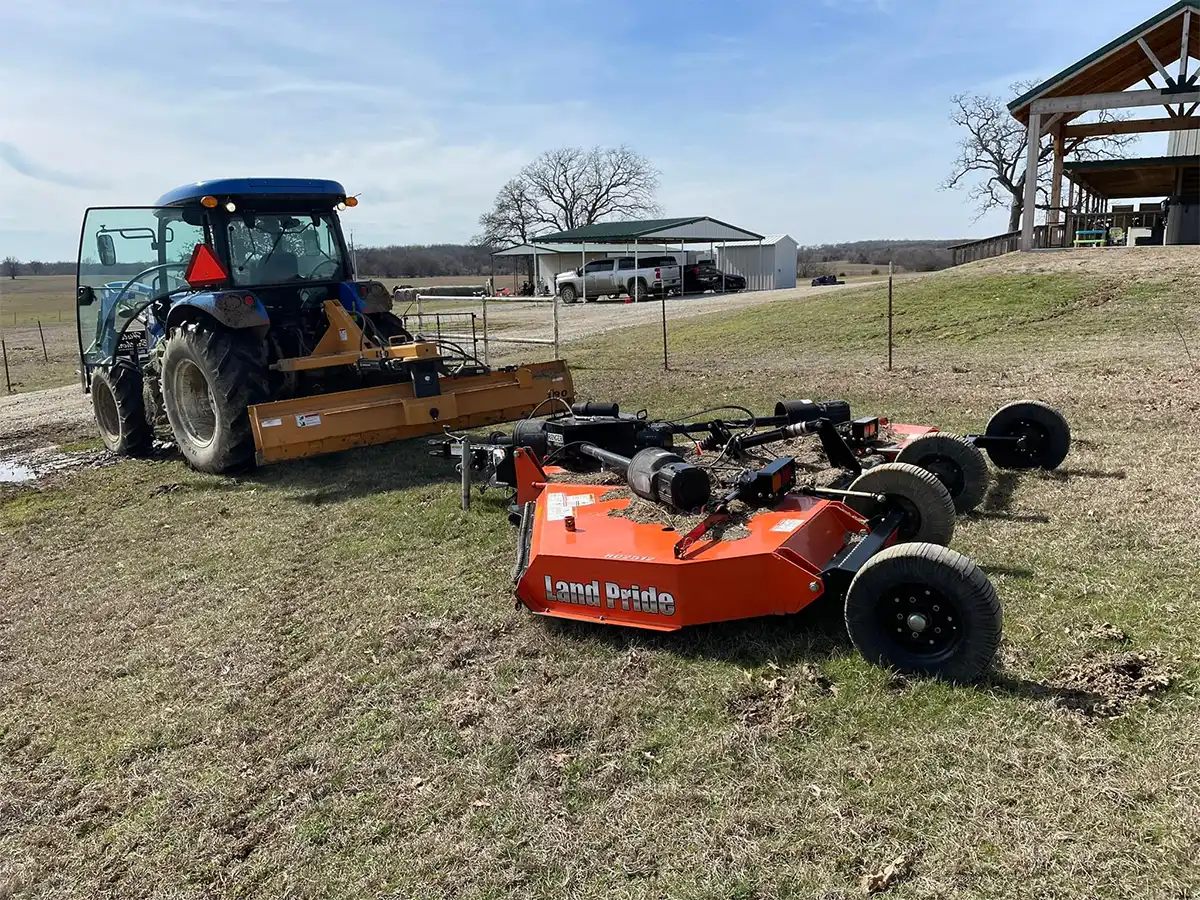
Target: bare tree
10	265
35	266
811	263
992	155
569	188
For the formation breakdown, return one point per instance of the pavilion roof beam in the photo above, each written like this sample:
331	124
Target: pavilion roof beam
1118	100
1162	70
1134	126
1185	48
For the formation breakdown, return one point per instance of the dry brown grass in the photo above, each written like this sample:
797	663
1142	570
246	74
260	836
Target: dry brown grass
311	681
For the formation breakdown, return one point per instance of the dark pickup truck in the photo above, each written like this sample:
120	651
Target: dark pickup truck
707	277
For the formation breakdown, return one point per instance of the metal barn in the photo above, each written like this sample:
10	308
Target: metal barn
769	264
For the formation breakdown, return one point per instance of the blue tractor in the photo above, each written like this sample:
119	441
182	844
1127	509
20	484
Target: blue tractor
229	312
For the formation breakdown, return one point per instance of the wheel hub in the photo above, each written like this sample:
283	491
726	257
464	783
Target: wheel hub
917	622
947	470
922	620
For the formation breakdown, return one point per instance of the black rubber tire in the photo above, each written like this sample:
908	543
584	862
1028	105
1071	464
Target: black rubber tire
956	462
928	509
642	289
213	433
1043	424
568	294
925	582
120	410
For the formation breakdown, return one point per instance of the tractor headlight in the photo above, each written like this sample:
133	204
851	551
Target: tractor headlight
230	206
341	207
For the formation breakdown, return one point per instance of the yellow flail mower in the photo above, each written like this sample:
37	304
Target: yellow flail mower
228	313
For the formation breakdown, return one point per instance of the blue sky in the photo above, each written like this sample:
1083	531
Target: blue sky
826	119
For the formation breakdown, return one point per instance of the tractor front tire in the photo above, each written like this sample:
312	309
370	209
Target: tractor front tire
1044	428
926	504
957	463
210	377
924	610
120	410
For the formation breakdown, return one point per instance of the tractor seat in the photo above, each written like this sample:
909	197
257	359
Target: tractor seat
279	267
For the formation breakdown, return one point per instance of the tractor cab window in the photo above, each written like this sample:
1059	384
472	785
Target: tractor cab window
129	257
275	248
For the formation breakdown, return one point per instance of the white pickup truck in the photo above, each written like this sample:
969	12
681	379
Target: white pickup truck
647	276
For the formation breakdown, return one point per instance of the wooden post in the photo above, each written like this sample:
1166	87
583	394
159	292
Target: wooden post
7	381
1056	182
891	275
45	358
1031	177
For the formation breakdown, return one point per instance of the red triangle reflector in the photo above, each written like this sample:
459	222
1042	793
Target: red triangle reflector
205	270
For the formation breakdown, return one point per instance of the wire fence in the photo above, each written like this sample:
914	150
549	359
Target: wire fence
481	328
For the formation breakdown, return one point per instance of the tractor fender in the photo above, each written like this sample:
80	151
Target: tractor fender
233	309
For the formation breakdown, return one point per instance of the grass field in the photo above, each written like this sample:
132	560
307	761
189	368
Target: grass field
311	680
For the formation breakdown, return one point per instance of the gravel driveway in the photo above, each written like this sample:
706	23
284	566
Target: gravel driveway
579	320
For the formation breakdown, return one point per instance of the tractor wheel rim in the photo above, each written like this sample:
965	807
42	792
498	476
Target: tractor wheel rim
107	415
922	620
197	410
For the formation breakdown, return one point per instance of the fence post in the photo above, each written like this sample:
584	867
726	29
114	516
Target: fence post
555	301
7	382
486	349
891	275
45	357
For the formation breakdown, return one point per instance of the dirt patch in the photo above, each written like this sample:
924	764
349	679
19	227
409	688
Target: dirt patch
40	417
1109	685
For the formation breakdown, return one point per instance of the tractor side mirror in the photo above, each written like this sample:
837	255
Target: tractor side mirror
104	246
85	296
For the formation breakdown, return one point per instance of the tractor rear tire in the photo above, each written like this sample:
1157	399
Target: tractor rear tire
956	462
926	504
210	377
1044	427
925	610
120	410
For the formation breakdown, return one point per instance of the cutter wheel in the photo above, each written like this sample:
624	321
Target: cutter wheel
582	556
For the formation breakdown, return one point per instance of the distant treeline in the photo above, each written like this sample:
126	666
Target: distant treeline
912	256
412	261
433	260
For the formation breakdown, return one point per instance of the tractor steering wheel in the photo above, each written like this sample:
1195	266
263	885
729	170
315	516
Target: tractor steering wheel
138	277
312	274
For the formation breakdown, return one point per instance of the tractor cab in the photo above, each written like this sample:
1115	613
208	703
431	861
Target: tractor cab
275	243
